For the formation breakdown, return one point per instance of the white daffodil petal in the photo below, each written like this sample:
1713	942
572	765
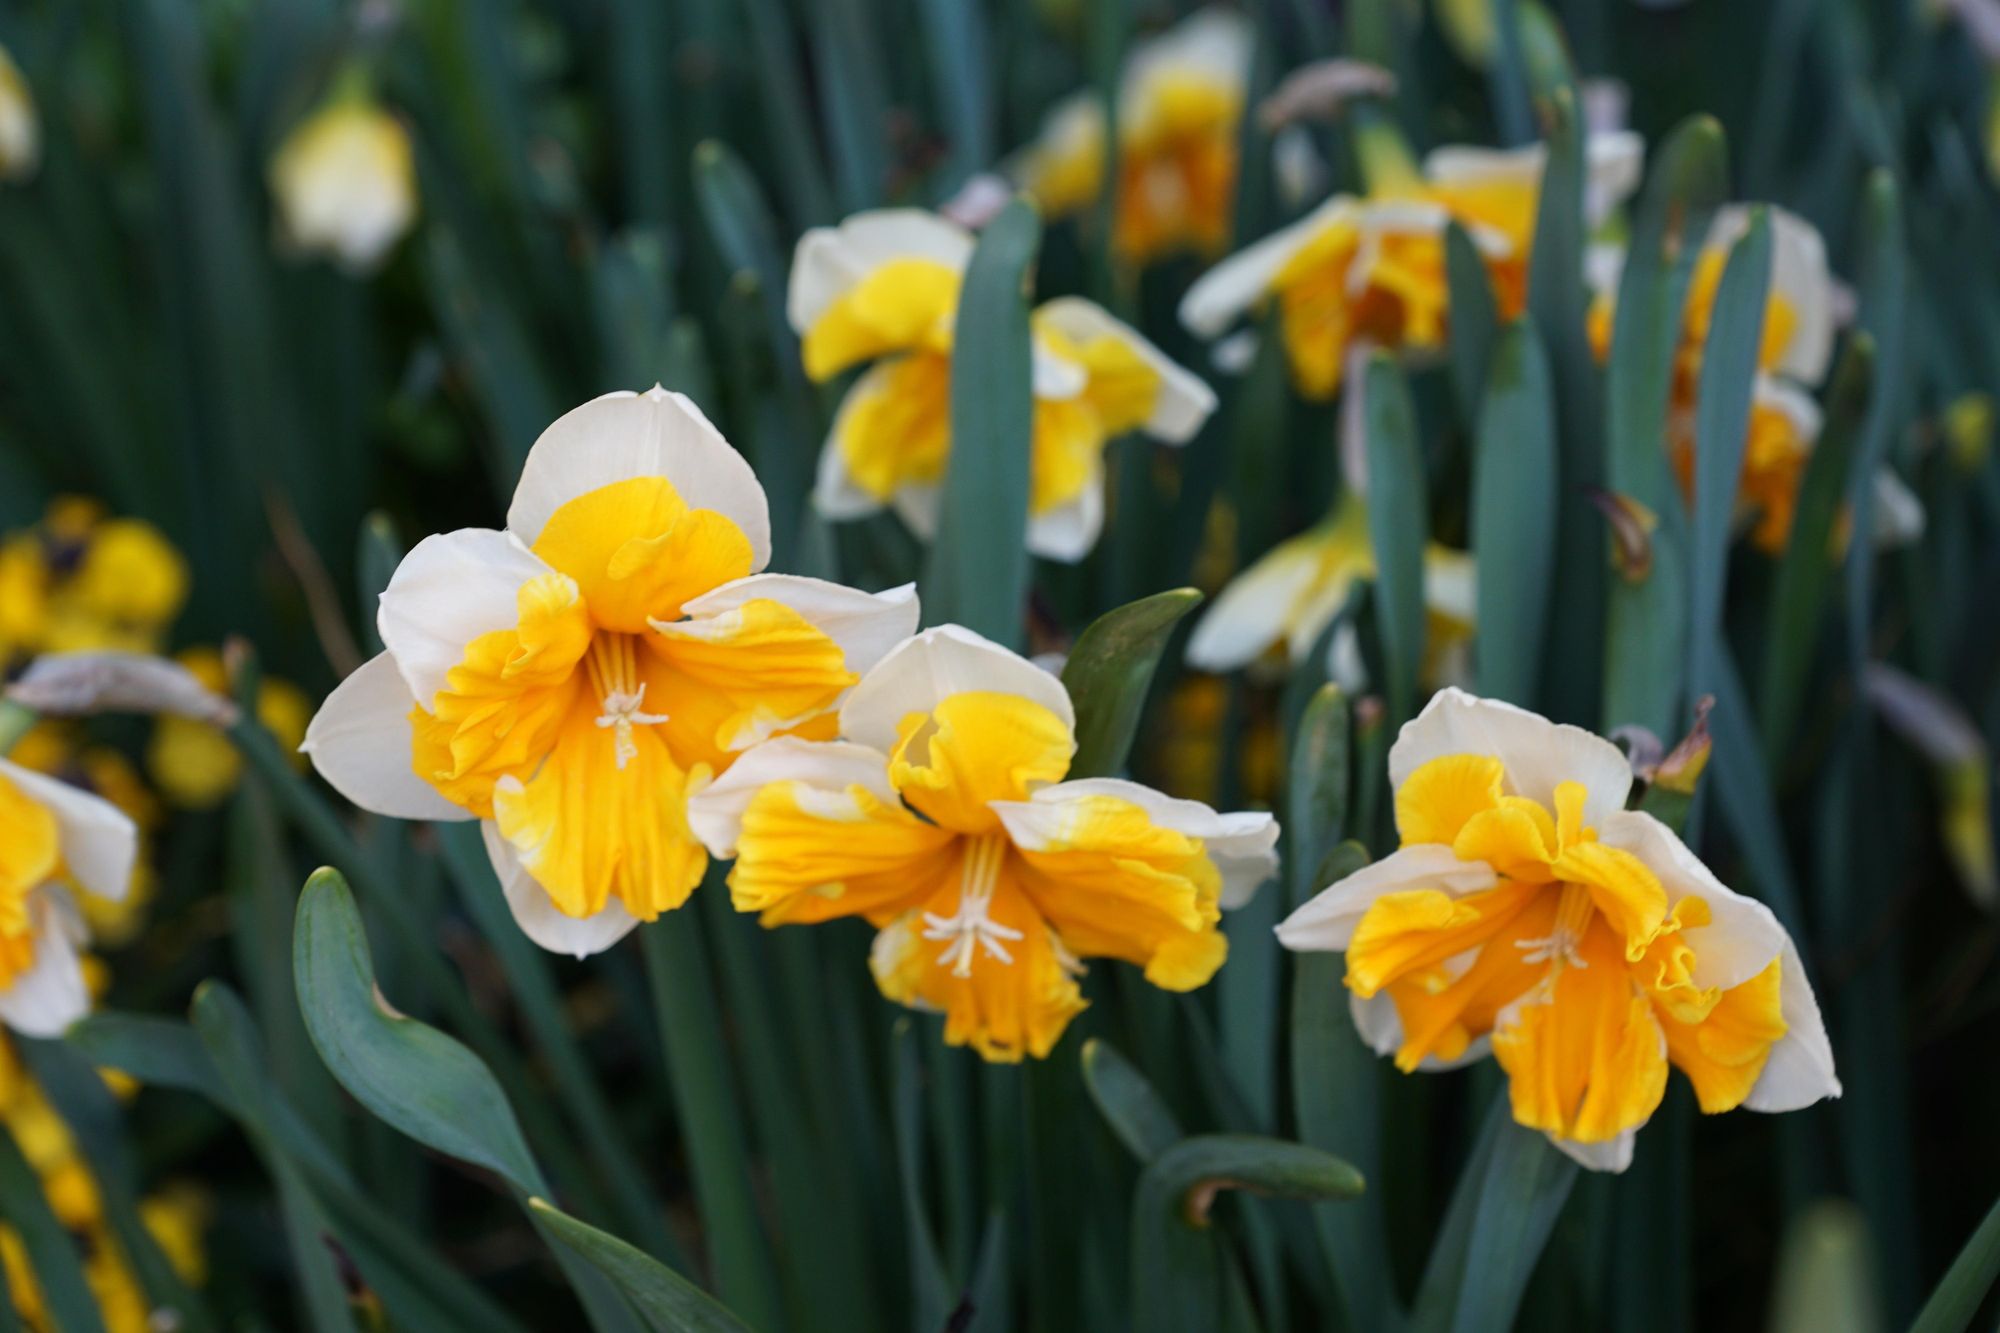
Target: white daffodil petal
51	994
1800	1069
836	494
1066	532
536	913
937	663
1538	754
1251	613
866	625
1797	406
1053	377
1327	920
1613	164
1899	515
1472	165
1242	844
1213	303
619	436
98	841
1451	584
1612	1155
830	260
827	767
1212	45
1742	936
451	588
1184	400
360	741
1799	276
917	504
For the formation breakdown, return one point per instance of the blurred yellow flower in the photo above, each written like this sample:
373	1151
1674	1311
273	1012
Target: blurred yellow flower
883	287
194	765
1292	593
20	124
1529	913
81	582
58	750
1180	107
1371	271
572	679
345	182
942	817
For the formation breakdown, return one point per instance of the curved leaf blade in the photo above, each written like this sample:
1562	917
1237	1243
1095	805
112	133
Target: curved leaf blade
666	1301
1109	671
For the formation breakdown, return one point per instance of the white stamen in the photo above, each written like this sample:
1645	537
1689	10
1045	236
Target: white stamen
614	669
969	928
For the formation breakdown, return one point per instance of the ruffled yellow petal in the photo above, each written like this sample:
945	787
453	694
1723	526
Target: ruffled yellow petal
977	747
1435	802
806	855
901	305
30	856
1418	929
895	425
740	678
1724	1054
637	552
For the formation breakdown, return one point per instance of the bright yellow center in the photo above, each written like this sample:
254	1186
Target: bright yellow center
895	428
30	856
1177	168
901	305
972	923
1574	963
582	729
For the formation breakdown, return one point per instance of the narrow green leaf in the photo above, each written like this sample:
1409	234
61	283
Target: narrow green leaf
978	570
854	102
1475	319
1318	787
961	67
1523	1190
1884	312
1135	1112
1513	487
1108	672
801	174
1398	519
1958	1295
414	1077
930	1288
666	1301
1798	600
51	1253
741	225
1721	433
156	1051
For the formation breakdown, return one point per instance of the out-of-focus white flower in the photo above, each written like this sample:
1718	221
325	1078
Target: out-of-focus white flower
345	183
20	124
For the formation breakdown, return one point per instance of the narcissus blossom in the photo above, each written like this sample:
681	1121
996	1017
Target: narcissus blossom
883	288
1372	270
345	182
1291	594
942	817
55	841
1180	108
570	680
1529	913
20	124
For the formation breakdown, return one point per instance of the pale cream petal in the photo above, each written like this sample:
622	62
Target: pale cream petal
1251	613
1800	1070
1899	515
360	741
1612	1155
1800	275
831	260
917	503
1613	164
866	625
1797	406
98	841
1212	45
1067	532
1326	922
827	768
1742	936
1242	844
536	913
623	435
947	660
1184	402
1538	754
451	588
51	994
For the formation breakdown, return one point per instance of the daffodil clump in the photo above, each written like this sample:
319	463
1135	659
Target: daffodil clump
1528	914
881	291
1368	271
1179	115
942	815
345	180
572	679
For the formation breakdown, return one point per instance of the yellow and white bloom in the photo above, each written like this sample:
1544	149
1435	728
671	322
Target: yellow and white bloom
1180	105
883	288
1292	592
571	680
1370	271
345	183
20	124
942	817
1529	913
55	840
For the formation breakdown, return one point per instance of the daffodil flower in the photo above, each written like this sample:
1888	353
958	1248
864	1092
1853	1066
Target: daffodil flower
345	182
570	680
1293	592
942	817
1529	913
1370	271
54	839
883	288
1180	103
20	125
